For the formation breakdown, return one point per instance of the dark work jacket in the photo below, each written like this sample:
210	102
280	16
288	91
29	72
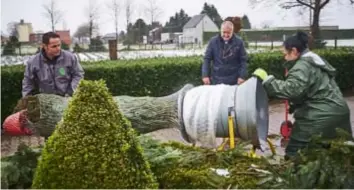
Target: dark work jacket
229	60
59	76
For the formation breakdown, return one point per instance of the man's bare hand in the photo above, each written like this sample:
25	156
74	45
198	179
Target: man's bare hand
206	80
240	81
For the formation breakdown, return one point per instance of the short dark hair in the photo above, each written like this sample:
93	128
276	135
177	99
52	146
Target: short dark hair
46	37
299	41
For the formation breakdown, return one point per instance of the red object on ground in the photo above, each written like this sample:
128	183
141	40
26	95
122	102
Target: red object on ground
285	129
14	124
286	126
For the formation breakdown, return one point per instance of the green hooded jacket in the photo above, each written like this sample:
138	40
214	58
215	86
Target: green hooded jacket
319	106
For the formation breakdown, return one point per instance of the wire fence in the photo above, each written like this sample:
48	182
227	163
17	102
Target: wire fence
24	50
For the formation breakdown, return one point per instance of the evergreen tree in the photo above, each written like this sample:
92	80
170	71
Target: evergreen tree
212	12
11	46
246	24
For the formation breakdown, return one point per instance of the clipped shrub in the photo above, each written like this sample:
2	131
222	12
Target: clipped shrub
94	146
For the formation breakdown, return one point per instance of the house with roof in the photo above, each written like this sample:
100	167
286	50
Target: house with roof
36	37
193	30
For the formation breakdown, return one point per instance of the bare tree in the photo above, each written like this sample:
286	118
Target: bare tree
93	16
82	31
11	28
115	8
153	10
128	15
315	7
53	13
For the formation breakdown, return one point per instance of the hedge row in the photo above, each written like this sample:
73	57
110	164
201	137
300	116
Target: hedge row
162	76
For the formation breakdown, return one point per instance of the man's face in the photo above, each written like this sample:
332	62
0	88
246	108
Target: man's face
53	47
226	33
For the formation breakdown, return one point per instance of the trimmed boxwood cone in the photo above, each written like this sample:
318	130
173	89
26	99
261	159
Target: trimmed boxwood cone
93	146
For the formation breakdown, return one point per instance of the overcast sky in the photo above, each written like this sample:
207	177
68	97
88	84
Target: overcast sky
74	13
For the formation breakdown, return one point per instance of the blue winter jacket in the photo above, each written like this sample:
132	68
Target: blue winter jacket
229	60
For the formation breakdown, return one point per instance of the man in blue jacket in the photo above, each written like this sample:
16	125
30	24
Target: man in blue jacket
229	56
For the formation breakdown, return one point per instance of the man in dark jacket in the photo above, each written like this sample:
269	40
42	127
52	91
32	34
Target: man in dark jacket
52	70
229	57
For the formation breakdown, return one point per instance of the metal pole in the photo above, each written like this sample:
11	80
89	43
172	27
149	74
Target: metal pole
310	16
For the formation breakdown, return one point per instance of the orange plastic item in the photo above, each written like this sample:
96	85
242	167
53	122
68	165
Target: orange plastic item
14	125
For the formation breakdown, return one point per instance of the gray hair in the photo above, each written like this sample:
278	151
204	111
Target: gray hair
227	24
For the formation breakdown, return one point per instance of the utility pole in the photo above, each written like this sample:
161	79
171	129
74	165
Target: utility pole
310	16
202	41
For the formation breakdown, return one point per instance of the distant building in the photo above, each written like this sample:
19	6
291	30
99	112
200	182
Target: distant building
23	31
109	36
36	38
155	35
64	36
170	34
194	28
4	39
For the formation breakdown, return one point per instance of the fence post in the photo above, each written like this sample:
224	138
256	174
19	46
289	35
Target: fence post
112	49
335	42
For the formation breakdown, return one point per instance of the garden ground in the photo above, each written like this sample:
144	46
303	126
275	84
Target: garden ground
276	112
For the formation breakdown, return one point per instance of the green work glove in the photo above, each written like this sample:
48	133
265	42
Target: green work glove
260	73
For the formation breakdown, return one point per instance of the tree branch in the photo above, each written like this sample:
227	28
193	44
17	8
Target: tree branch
53	14
289	5
324	3
153	10
305	4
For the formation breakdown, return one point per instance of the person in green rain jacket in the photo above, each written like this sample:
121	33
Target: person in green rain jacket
312	92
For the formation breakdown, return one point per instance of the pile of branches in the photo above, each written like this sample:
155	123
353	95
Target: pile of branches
180	166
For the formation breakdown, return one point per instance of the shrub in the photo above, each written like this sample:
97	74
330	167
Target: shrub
178	166
64	46
94	146
17	170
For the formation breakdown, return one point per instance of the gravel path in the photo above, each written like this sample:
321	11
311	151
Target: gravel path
276	111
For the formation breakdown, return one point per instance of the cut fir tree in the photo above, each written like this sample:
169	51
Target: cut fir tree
146	114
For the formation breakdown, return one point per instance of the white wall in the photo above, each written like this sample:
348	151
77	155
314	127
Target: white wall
206	25
188	35
165	37
24	31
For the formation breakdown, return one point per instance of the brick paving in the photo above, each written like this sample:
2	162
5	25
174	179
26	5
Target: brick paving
276	111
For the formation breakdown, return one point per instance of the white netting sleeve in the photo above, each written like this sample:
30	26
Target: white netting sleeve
201	113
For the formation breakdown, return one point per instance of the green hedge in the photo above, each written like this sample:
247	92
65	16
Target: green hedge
162	76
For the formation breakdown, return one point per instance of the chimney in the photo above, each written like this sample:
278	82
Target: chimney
22	21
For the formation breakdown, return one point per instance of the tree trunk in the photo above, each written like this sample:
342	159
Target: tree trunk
315	27
146	114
